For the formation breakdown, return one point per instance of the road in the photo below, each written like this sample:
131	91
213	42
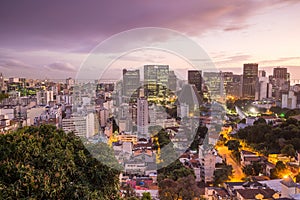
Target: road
238	174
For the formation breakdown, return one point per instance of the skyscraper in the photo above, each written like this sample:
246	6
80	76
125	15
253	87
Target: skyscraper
280	81
263	87
214	81
142	116
250	76
131	82
280	73
172	81
235	88
156	80
195	78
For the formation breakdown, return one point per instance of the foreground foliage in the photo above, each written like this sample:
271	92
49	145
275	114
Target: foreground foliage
46	163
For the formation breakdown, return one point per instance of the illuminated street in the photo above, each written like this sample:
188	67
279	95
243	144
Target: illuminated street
238	174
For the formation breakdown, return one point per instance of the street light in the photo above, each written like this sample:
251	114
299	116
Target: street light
253	110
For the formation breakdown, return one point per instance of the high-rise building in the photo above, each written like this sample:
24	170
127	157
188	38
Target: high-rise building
83	126
131	83
263	87
280	73
289	100
235	88
250	75
195	78
172	81
280	81
156	81
214	81
142	116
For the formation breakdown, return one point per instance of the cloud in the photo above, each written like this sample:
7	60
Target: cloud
236	27
47	24
225	60
12	64
279	60
61	66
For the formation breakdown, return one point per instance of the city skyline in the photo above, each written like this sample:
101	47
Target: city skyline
38	44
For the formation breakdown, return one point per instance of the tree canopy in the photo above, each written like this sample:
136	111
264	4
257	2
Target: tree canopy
46	163
283	138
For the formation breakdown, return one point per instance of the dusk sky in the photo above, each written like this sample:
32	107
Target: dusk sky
40	39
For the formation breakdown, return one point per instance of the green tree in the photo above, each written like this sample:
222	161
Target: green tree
146	196
260	121
289	150
174	171
233	145
184	188
279	171
297	177
46	163
222	174
248	170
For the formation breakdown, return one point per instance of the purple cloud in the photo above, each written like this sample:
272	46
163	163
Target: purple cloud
61	66
78	25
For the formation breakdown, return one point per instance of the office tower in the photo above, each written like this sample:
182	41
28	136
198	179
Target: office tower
234	88
172	81
250	75
280	81
263	87
156	80
214	81
195	78
280	73
131	82
142	116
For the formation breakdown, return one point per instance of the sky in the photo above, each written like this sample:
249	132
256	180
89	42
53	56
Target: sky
55	39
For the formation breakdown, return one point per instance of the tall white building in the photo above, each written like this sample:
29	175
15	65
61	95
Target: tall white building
83	126
90	125
263	87
44	97
207	158
142	116
289	100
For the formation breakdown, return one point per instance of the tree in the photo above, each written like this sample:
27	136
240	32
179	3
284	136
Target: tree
253	170
222	174
184	188
46	163
297	177
200	134
279	171
289	150
248	170
233	145
129	193
146	196
260	121
174	171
